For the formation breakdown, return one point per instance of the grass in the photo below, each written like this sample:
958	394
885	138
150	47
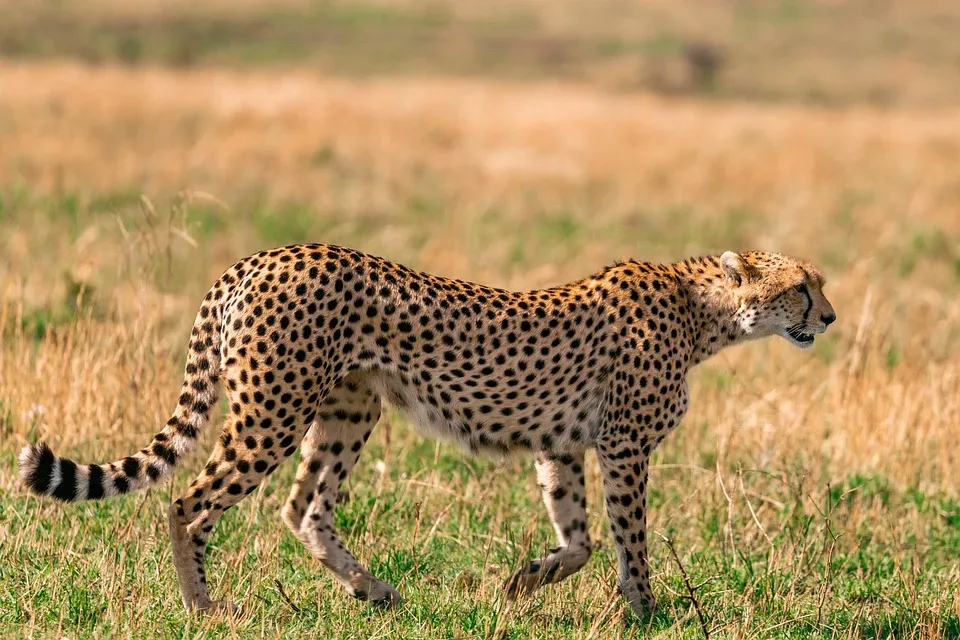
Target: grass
811	52
813	494
815	563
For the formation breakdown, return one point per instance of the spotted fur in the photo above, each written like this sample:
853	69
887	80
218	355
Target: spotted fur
309	339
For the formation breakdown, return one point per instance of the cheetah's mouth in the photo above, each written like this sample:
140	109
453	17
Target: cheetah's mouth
800	338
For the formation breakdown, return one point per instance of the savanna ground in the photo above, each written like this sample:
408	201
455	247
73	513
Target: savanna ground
143	149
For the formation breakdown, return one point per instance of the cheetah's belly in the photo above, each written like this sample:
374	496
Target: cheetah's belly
572	426
427	418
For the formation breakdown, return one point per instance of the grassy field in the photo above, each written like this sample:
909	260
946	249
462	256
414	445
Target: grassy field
812	494
825	52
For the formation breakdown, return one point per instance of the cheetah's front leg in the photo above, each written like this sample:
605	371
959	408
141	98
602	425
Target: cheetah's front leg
625	491
561	480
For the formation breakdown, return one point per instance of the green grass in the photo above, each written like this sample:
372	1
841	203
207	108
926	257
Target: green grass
447	535
356	38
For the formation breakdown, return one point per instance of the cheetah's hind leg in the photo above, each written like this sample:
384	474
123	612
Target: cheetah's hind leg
257	437
329	452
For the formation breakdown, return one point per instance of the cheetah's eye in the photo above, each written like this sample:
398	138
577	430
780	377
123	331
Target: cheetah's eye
801	288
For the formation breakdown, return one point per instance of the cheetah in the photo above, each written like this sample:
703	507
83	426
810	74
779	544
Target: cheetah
310	339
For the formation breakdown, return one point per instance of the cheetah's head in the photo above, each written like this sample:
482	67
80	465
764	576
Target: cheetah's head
777	295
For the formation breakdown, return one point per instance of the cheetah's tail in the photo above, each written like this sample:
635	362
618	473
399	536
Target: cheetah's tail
47	474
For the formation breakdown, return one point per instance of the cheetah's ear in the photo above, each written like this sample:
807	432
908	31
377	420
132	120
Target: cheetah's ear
736	268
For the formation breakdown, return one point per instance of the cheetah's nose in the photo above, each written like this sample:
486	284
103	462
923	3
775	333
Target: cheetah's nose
828	318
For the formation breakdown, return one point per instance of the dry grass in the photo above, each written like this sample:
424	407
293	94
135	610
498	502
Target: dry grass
814	51
819	490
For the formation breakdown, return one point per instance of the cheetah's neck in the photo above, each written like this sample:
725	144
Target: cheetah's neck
713	305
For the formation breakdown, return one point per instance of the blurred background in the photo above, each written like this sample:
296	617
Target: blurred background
145	146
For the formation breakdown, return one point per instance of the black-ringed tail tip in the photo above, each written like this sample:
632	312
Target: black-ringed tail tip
40	472
46	474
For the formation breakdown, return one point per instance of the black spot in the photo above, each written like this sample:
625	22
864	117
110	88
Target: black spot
131	467
164	452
